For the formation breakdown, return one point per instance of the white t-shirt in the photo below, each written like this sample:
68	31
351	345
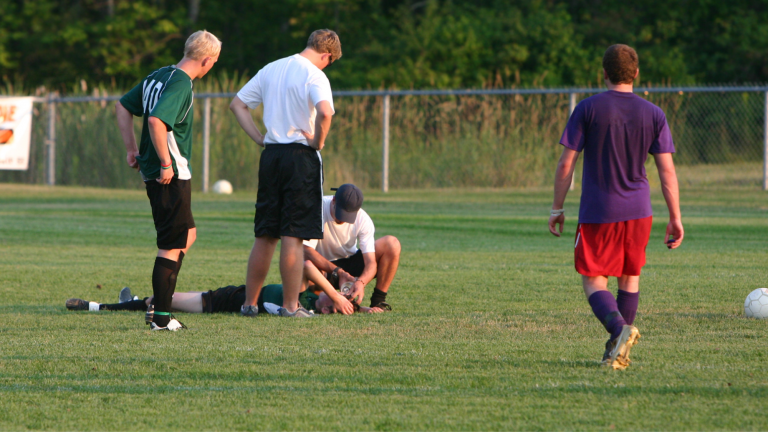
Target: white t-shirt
289	88
343	240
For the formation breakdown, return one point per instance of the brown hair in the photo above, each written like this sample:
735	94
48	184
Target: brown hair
201	44
325	41
620	64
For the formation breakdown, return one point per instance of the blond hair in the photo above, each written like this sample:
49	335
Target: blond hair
201	44
325	41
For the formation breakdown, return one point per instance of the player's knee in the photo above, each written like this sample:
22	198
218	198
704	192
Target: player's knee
392	245
308	264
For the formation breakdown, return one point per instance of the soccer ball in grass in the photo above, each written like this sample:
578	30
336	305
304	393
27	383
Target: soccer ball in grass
222	187
756	304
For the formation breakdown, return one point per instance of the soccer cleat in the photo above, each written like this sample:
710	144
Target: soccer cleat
383	306
80	304
125	295
173	325
77	304
249	311
150	315
618	358
299	313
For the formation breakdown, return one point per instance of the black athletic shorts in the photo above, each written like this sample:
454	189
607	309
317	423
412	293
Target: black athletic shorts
171	212
290	197
353	265
228	299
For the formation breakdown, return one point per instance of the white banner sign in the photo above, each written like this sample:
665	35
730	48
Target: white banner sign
15	132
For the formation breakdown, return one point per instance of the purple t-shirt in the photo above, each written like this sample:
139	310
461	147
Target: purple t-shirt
616	130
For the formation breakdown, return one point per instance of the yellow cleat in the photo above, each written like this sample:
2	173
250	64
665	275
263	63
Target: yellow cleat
618	357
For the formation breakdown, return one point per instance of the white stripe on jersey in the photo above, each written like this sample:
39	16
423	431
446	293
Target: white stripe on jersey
190	106
182	165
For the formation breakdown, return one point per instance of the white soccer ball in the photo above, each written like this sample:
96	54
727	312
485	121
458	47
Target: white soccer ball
222	187
756	304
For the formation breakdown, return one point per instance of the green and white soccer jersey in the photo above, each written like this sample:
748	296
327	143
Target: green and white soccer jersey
166	94
274	294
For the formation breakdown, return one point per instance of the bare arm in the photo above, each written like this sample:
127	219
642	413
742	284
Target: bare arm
313	275
563	178
369	272
243	115
322	125
324	265
159	134
318	260
669	188
125	123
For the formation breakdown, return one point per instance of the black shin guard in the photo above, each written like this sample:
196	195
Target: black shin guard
163	285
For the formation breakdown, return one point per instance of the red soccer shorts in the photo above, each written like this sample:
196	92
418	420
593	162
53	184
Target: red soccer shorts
612	249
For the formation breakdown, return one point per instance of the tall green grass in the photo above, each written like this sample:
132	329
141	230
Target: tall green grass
435	141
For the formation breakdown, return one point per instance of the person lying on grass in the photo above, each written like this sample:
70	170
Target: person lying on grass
317	294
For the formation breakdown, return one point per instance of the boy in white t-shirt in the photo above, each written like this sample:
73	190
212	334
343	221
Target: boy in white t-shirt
298	106
348	251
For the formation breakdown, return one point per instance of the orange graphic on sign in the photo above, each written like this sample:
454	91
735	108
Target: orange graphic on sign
6	115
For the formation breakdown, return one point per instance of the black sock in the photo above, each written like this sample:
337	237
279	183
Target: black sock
163	285
378	297
133	305
173	279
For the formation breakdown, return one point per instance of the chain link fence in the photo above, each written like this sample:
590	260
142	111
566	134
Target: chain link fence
412	139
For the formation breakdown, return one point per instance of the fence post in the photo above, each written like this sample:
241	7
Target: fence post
385	145
206	142
50	143
571	107
765	145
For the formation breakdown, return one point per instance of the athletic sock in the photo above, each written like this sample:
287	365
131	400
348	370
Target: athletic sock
378	297
175	275
161	319
627	303
163	284
133	305
607	312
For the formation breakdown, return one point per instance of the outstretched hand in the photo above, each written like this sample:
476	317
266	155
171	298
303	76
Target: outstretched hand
364	309
554	221
343	305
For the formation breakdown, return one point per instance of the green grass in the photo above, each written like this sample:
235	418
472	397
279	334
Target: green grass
490	328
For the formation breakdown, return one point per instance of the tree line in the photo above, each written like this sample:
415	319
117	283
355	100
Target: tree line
390	43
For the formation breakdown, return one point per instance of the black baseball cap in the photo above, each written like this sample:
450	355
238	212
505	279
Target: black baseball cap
349	199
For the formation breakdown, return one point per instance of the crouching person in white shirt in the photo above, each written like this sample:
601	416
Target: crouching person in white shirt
348	251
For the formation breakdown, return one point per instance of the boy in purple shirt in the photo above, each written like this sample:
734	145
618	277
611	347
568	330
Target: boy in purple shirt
616	130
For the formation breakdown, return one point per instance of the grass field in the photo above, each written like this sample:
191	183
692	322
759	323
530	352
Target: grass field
490	329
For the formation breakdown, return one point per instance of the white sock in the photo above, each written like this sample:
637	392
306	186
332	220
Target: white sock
93	306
